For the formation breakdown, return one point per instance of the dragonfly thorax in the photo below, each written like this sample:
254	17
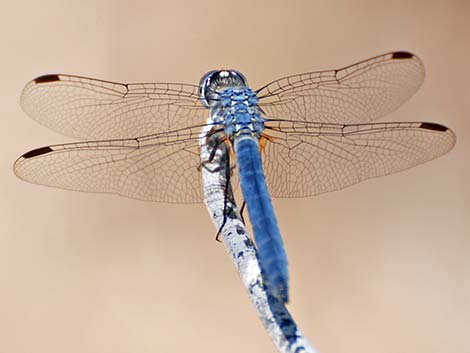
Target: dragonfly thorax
237	110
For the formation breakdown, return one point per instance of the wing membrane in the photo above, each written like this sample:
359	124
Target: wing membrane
161	168
88	108
326	145
357	93
307	159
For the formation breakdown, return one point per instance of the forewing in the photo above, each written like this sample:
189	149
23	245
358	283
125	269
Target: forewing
357	93
161	168
307	159
88	108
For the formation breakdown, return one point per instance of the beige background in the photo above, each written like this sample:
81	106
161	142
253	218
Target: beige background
380	267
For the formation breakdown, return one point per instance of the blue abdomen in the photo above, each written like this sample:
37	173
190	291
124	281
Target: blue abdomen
267	235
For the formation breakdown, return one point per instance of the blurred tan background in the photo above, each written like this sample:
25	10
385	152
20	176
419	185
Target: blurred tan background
380	267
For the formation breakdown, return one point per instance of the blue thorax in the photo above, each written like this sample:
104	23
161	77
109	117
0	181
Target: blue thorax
237	110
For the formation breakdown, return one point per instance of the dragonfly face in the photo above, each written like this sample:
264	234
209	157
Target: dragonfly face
233	105
214	81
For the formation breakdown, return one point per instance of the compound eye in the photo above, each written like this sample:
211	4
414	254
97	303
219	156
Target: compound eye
213	82
204	85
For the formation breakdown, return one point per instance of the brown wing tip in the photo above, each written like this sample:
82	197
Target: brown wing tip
434	126
37	152
399	55
47	78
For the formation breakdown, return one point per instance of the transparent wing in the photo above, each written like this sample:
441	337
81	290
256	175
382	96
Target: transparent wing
159	167
88	108
358	93
306	159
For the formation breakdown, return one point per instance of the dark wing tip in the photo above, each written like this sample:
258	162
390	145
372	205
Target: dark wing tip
47	78
402	55
434	126
37	152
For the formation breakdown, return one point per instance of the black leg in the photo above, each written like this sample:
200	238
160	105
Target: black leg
241	211
226	193
215	144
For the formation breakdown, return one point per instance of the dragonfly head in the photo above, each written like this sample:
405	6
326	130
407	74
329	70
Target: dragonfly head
214	81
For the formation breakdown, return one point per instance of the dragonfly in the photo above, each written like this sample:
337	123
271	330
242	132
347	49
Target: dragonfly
297	136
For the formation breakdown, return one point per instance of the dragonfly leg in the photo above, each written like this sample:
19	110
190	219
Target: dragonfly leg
203	165
216	141
226	196
211	158
217	236
241	211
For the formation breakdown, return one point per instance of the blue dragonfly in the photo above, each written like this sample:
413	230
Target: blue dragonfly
297	136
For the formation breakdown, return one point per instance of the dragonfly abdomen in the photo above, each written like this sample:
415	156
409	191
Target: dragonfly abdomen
271	252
